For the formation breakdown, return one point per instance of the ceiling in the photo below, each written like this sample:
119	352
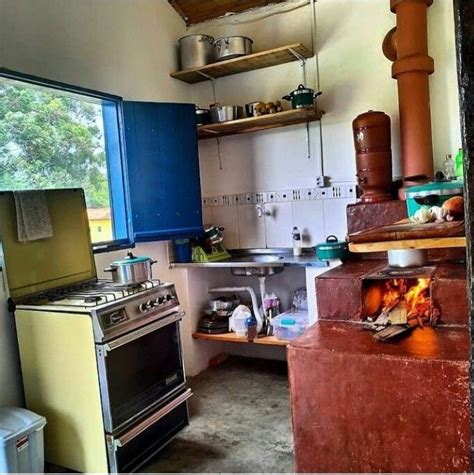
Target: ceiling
197	11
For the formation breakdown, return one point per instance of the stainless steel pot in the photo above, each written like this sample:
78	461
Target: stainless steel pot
225	113
408	258
196	51
229	47
131	270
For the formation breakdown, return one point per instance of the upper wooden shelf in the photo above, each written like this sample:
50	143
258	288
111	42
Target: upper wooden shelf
251	62
263	122
233	338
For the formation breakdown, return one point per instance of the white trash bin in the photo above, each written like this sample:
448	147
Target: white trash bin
21	441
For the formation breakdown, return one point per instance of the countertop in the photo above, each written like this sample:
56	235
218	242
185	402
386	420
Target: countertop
260	258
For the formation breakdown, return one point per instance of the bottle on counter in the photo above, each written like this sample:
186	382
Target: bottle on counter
448	167
297	244
459	165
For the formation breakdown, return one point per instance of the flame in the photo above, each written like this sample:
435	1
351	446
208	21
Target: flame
417	300
415	297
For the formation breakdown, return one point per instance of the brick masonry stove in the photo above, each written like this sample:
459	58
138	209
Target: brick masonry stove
360	405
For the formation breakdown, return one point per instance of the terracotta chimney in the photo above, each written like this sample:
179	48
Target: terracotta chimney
407	46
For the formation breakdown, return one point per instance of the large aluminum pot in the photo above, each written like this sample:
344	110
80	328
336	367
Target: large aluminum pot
196	51
229	47
132	270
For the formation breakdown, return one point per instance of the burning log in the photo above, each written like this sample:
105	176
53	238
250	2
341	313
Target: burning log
405	304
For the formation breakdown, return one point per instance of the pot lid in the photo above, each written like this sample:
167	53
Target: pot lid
131	259
332	244
435	188
302	89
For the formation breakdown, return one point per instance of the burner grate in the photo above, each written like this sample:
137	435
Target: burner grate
91	293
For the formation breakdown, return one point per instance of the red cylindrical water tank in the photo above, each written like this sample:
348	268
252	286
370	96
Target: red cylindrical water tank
373	146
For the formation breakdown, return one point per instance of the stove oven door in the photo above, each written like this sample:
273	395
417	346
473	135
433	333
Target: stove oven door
140	370
131	448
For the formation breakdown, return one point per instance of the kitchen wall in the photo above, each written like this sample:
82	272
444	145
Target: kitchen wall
354	77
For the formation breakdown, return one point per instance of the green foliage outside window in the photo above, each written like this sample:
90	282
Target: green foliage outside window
50	139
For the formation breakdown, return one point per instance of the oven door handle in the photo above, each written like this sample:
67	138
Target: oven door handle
124	439
175	317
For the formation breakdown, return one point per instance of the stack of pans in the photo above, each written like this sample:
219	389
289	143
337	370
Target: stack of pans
215	319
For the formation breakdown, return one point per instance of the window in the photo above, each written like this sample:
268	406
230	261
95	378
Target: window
58	136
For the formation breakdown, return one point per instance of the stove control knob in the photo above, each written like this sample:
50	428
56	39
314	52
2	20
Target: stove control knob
143	307
150	304
169	297
160	300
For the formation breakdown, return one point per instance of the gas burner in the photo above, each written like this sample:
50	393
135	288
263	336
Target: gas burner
90	294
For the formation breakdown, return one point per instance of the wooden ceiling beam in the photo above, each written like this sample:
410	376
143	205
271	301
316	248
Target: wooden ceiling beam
198	11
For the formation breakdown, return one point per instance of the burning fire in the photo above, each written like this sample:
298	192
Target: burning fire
409	296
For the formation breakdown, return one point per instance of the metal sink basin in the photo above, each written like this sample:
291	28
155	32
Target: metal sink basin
258	265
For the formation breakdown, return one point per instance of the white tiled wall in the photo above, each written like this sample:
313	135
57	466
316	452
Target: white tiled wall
266	219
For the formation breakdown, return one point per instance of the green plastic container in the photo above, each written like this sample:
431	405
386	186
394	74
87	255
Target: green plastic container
431	194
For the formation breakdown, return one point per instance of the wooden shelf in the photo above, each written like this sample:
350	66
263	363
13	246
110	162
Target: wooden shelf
251	62
429	243
233	338
263	122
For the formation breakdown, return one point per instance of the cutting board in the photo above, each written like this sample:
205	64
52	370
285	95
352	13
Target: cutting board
405	230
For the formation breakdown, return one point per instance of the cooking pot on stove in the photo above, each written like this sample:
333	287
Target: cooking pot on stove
132	270
332	249
302	97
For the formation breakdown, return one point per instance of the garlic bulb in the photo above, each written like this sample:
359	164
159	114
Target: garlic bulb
422	216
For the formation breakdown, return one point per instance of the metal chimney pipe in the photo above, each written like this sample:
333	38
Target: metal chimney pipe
407	46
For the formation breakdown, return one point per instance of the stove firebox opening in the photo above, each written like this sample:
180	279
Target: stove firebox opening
398	301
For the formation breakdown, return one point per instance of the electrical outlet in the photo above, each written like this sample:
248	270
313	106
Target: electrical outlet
272	196
336	192
320	181
325	193
205	202
285	196
225	200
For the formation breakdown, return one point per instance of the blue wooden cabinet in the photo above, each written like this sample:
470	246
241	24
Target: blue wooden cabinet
163	170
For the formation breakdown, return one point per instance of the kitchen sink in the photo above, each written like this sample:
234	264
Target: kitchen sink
271	264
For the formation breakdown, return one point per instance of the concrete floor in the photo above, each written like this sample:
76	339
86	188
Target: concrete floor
240	422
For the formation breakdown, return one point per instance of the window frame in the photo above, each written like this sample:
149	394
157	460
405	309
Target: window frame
117	170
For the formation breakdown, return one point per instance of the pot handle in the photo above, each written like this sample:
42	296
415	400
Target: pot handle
110	269
301	86
286	98
317	94
153	262
332	238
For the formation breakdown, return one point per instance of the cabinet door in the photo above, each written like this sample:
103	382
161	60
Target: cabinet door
163	170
